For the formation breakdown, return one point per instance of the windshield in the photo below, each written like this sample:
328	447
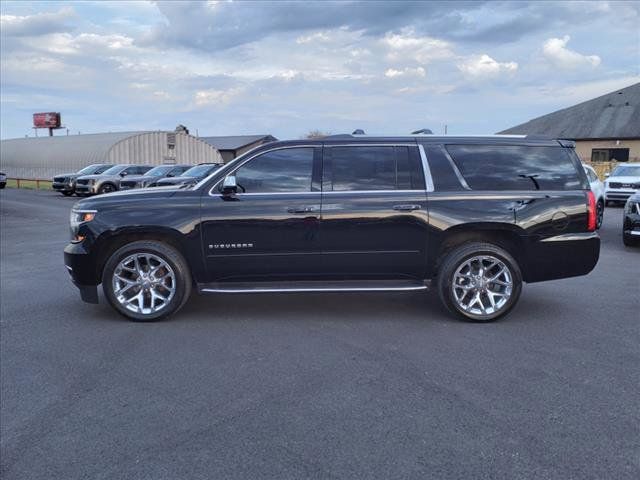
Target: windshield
199	170
115	170
94	169
627	171
159	171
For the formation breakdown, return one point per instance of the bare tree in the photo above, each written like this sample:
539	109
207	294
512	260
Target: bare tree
313	134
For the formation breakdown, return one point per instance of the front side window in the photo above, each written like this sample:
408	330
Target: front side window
285	170
159	171
510	167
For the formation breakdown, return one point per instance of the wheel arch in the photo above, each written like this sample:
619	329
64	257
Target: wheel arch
507	236
107	243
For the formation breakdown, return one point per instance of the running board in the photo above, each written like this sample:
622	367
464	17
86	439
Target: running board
314	286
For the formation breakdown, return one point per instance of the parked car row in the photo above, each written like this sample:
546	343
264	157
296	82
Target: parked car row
106	178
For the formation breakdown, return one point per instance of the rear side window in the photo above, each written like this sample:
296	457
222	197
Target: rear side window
374	168
488	167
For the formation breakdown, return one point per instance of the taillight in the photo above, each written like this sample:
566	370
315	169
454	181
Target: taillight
591	219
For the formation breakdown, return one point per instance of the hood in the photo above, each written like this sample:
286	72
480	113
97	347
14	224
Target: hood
139	178
65	175
99	177
177	180
126	195
625	179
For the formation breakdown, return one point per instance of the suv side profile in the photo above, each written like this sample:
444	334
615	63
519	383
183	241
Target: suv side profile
471	217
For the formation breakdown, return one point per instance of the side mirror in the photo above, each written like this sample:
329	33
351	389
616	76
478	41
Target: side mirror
229	185
606	175
123	174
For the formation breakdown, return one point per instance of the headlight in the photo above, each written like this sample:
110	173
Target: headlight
81	216
77	218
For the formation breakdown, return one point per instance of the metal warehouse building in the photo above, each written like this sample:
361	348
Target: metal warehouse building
42	158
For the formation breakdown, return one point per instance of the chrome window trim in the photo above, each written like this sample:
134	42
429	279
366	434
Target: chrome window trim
248	159
461	179
428	179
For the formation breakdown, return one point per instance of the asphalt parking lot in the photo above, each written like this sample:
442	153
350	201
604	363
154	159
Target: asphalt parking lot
313	385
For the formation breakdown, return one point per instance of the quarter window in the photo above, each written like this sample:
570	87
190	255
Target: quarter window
507	167
285	170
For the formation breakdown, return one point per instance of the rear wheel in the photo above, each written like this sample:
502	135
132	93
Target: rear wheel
146	280
479	282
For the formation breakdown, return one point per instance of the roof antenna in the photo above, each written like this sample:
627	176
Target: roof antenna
358	131
423	131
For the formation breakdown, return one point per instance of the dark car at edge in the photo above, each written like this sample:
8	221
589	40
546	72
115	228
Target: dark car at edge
631	221
472	218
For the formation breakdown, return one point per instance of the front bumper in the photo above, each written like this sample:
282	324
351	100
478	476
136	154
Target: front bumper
62	187
631	224
81	267
86	189
618	195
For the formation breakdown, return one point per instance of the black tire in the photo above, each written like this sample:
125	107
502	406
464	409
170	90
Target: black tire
67	194
167	253
107	188
456	258
599	214
630	240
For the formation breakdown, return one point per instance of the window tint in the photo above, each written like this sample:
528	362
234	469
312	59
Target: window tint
487	167
285	170
375	168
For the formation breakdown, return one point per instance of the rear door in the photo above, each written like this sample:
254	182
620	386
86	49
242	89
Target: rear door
374	212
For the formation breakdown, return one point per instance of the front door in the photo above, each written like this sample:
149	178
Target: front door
374	212
268	230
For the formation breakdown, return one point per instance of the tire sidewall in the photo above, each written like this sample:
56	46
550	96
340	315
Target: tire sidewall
102	191
461	254
169	255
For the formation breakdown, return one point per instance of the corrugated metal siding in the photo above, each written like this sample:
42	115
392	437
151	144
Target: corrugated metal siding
42	158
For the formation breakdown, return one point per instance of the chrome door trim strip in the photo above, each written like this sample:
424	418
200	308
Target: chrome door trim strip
314	289
428	179
461	179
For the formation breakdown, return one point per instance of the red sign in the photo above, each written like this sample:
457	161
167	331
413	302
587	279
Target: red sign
46	120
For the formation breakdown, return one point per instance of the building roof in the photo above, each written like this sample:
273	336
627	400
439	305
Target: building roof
236	142
614	115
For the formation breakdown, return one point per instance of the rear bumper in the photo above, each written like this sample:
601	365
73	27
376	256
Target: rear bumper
81	267
562	256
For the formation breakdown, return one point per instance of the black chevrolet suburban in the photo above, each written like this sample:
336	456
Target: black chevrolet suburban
470	217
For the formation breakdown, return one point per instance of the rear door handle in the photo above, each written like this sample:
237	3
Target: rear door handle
407	208
303	209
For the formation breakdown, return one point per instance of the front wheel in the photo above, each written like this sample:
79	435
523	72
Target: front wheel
67	193
107	188
146	280
479	282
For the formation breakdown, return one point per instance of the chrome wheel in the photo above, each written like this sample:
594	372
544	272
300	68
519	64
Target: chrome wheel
599	214
144	283
482	285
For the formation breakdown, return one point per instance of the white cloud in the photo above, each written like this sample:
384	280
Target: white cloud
407	45
405	72
483	66
555	50
214	97
314	37
37	24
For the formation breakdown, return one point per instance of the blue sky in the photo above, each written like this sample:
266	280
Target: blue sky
286	68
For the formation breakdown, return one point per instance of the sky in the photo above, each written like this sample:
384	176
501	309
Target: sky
287	68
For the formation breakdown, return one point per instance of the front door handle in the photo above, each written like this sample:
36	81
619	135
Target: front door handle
407	208
304	209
